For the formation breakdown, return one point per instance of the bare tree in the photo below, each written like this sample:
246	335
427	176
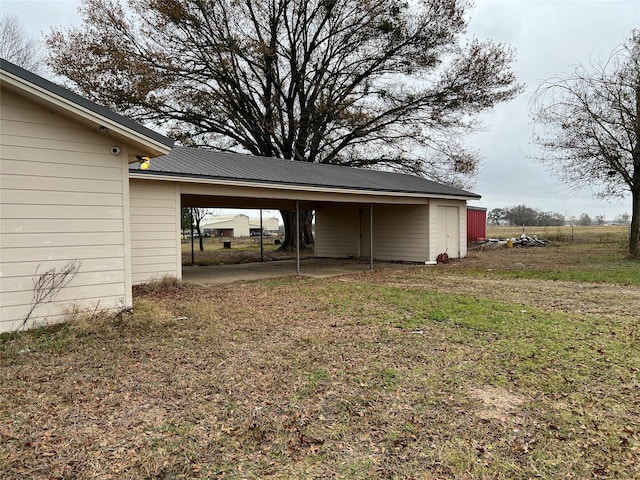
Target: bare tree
369	83
192	218
18	47
588	124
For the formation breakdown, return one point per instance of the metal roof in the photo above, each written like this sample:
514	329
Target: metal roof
80	101
206	164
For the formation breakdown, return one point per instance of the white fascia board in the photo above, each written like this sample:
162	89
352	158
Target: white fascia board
289	187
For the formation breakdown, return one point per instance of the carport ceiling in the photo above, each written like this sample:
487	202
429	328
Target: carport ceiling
214	201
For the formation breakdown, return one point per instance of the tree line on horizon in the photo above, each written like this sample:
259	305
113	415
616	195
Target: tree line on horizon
523	215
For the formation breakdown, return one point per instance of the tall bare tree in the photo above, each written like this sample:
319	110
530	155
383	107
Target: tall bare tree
20	48
368	83
588	124
192	217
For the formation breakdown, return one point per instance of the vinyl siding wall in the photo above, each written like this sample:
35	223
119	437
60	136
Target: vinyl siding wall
155	230
401	232
62	197
337	231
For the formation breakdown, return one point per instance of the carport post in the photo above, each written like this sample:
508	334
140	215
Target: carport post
261	239
297	237
193	254
371	236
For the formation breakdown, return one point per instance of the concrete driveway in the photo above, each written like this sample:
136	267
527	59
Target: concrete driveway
312	267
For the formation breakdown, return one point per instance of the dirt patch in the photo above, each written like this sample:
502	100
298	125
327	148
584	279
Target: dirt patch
499	404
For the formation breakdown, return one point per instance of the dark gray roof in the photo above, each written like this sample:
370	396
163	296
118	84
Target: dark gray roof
206	164
59	91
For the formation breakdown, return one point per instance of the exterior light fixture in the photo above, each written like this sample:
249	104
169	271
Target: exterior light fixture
145	162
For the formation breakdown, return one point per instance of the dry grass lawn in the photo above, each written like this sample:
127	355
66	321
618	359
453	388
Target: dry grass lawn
510	364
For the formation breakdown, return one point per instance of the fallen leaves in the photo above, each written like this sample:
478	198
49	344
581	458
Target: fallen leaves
322	379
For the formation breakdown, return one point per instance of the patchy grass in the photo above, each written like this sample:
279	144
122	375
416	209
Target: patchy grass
454	371
580	262
243	250
242	254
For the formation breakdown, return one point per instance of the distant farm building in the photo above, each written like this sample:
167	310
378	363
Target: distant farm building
238	225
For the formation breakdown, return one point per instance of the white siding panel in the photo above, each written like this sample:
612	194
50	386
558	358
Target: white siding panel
63	212
62	195
26	269
463	230
155	260
52	225
38	197
155	230
57	170
155	271
35	255
400	232
54	150
337	233
147	229
58	185
83	281
147	235
151	243
48	239
160	217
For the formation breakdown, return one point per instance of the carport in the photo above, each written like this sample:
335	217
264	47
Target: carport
297	205
360	214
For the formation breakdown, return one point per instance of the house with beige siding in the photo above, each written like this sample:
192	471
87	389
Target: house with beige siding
72	192
64	192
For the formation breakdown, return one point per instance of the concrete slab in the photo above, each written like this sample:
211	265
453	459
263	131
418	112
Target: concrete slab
311	267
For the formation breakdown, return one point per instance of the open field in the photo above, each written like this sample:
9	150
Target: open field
609	234
511	364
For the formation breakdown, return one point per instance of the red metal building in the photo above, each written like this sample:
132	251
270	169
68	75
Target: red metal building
476	224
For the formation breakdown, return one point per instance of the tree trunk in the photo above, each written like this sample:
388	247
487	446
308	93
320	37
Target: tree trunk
634	237
200	240
306	232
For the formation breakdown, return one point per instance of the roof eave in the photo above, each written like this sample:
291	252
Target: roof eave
151	146
294	187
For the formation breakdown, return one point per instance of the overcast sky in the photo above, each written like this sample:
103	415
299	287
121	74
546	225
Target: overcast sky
550	37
